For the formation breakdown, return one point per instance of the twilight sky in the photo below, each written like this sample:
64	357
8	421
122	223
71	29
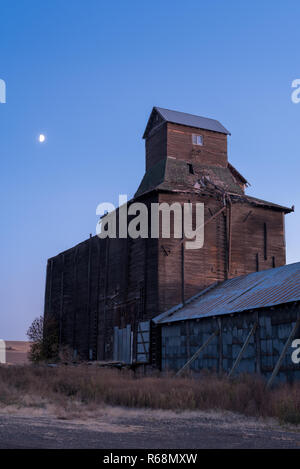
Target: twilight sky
87	73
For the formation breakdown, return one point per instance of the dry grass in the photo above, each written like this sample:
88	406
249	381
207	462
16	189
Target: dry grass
88	387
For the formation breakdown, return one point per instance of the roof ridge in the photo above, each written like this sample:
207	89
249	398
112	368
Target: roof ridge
186	113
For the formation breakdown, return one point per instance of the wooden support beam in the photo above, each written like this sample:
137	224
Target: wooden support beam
207	222
196	355
188	344
247	216
240	355
182	240
140	332
220	345
229	238
282	355
257	346
212	218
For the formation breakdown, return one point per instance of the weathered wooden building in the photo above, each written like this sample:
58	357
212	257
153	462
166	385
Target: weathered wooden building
104	292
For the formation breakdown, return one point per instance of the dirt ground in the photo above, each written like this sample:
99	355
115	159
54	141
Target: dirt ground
118	428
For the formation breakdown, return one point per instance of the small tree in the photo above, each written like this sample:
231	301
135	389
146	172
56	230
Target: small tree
43	335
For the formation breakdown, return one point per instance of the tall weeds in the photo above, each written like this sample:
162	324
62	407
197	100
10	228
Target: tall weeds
93	386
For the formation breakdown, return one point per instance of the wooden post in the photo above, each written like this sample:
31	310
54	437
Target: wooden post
140	333
280	360
220	345
196	355
188	345
239	357
257	345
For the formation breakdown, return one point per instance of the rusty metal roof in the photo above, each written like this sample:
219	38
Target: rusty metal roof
257	290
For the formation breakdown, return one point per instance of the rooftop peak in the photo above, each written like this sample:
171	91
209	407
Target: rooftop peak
182	118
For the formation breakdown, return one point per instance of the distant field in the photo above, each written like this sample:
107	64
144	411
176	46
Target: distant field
17	352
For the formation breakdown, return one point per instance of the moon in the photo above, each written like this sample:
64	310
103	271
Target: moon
42	138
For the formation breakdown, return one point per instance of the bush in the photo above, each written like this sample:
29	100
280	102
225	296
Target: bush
43	335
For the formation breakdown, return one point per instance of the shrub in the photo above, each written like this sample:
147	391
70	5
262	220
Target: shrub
43	335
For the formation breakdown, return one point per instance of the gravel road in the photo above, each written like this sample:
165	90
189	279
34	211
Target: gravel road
124	429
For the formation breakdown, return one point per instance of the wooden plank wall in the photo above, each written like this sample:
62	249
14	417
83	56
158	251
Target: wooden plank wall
99	284
180	145
156	146
227	252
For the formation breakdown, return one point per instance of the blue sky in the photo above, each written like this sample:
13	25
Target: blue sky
87	73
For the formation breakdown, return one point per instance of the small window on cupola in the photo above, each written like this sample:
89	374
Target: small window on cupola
197	139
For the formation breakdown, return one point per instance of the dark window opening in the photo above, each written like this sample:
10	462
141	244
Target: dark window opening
191	169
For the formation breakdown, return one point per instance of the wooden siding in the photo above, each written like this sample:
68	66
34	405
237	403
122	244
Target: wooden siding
99	284
227	252
156	146
180	145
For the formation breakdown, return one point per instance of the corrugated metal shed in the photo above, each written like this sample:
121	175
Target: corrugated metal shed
257	290
191	120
